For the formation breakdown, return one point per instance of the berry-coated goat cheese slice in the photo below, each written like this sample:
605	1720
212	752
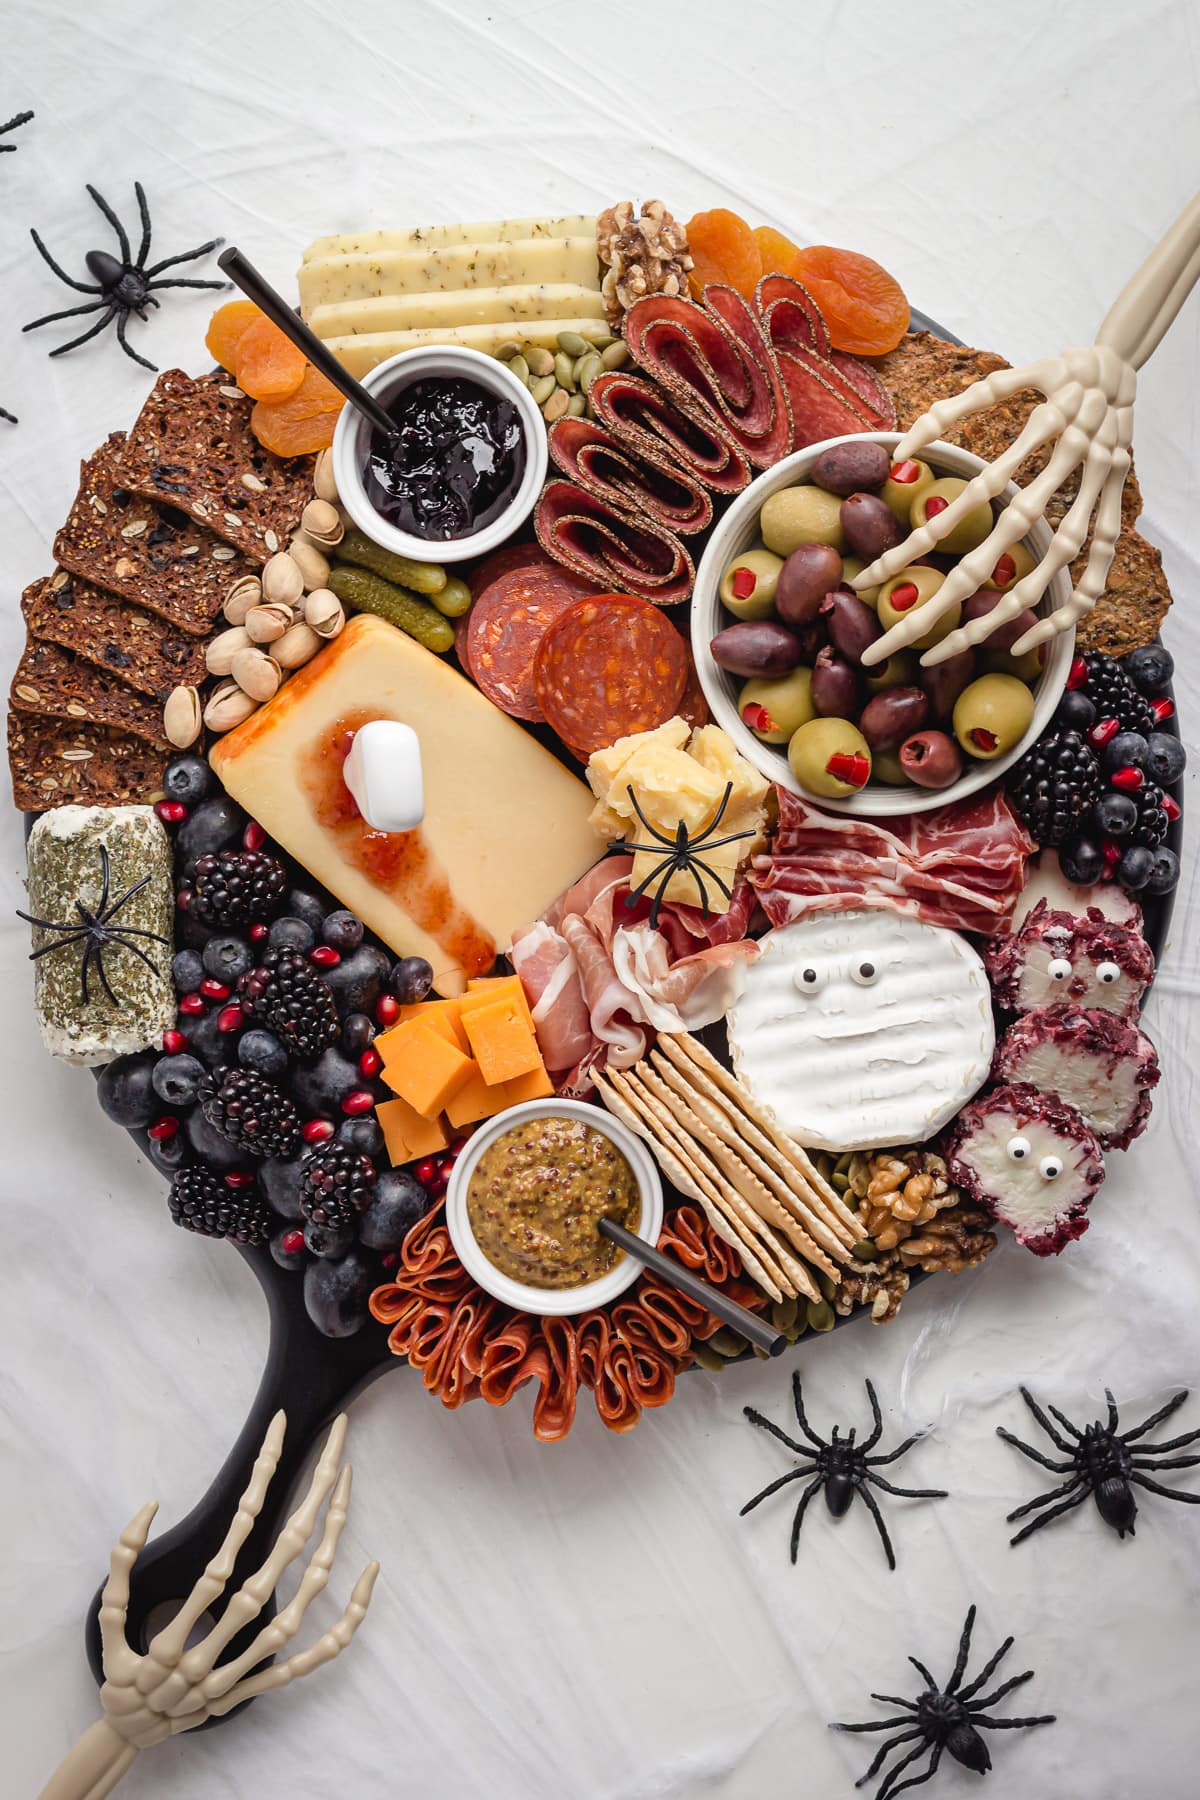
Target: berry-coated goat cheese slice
1031	1161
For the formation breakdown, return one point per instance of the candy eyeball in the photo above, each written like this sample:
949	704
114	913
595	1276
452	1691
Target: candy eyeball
866	974
1107	973
1018	1149
1050	1168
808	979
1058	969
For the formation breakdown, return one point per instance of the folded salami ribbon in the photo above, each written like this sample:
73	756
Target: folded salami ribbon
597	460
623	550
638	412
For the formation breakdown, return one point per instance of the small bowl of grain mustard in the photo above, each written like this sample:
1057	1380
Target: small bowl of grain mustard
526	1197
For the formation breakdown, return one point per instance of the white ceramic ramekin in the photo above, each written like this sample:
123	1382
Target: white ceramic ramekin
738	531
539	1300
352	438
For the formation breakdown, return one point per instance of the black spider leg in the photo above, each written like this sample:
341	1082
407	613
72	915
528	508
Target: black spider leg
1055	1512
1059	1442
885	1750
801	1419
131	353
888	1791
81	287
1057	1468
1164	1412
4	412
776	1431
121	234
872	1506
1156	1487
964	1651
21	118
74	312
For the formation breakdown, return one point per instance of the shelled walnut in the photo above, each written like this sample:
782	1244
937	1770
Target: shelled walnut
899	1192
640	256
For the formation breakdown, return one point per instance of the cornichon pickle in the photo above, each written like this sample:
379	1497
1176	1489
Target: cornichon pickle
454	599
424	578
362	591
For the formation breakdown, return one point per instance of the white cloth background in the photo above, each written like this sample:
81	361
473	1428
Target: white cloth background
592	1621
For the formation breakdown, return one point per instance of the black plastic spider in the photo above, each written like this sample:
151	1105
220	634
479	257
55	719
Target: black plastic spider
96	931
1101	1464
21	118
124	287
944	1719
841	1466
678	854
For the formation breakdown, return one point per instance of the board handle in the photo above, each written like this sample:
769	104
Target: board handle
311	1378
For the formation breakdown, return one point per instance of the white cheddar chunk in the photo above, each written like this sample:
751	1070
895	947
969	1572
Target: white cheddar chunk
363	275
500	231
474	306
505	827
361	354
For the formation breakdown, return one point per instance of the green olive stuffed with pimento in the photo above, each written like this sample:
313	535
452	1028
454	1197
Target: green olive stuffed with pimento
798	632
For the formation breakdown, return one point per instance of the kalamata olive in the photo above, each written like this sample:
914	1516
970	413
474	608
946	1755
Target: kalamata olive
893	716
1004	636
851	469
809	573
931	759
756	647
800	515
945	681
835	686
850	622
870	526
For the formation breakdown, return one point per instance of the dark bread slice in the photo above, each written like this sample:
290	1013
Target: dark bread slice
53	763
53	683
118	639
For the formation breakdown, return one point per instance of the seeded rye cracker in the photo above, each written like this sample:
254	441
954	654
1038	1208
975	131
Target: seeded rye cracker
192	448
120	639
55	684
155	556
53	762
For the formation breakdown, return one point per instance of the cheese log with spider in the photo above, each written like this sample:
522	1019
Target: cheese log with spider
856	1029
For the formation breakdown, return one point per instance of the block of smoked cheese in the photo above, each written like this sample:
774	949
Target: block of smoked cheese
469	306
452	268
362	354
497	231
505	828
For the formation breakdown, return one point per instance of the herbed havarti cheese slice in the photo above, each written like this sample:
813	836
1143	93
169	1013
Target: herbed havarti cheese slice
362	354
471	306
362	275
496	231
505	827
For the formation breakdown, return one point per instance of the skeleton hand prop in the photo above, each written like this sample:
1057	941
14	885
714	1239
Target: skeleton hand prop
1087	414
171	1688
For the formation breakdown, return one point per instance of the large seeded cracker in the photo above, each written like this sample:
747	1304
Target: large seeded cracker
127	641
52	762
192	448
155	556
55	684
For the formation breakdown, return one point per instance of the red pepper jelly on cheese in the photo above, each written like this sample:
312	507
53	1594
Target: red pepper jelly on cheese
455	464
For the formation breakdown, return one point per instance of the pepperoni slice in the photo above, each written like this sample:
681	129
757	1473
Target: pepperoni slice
609	666
502	562
692	705
505	626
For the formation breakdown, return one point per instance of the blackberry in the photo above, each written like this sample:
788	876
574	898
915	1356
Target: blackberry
1054	786
1152	821
200	1201
1113	694
336	1185
251	1111
234	887
288	997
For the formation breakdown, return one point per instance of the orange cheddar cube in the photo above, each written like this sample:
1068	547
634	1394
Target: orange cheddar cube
501	1040
407	1133
485	989
537	1085
440	1016
423	1068
477	1100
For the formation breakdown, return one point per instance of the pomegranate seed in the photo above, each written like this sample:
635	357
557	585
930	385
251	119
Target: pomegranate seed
214	990
171	812
440	1183
389	1260
163	1128
240	1178
1102	731
905	472
1128	780
370	1063
183	898
757	717
1163	708
292	1242
935	505
1078	674
254	837
315	1131
191	1003
982	738
459	1144
1004	571
426	1172
852	768
173	1042
904	596
325	956
387	1009
358	1100
1111	852
258	933
230	1018
1172	808
743	583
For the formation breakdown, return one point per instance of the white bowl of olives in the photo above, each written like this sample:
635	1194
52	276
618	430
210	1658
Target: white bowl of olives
778	634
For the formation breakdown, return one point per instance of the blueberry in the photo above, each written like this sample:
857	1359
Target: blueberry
205	1038
300	905
1165	872
226	958
1150	668
1136	867
292	934
1115	815
177	1079
410	979
288	1259
214	1150
188	779
1166	759
358	1033
328	1240
211	827
397	1201
126	1090
187	971
320	1089
1075	712
364	1134
336	1293
1081	861
264	1054
357	981
342	930
191	933
1128	750
280	1182
167	1154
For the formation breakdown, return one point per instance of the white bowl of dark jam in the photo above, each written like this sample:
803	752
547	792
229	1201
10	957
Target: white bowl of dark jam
466	467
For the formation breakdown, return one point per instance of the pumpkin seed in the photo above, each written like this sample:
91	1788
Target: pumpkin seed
821	1316
542	388
727	1342
564	371
506	352
615	355
576	406
572	344
520	368
540	361
708	1358
865	1250
590	368
556	405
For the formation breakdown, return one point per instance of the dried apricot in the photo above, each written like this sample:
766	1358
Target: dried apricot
724	249
269	366
226	329
865	308
304	422
778	252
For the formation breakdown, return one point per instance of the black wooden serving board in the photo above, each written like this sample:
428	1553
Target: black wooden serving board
312	1378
